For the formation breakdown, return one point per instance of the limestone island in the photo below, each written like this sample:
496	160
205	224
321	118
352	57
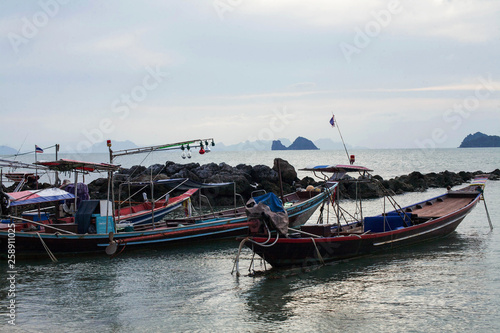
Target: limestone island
480	140
299	144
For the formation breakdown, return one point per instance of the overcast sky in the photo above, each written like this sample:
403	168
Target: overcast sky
396	74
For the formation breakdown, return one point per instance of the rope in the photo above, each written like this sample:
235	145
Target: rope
264	244
51	255
237	260
247	239
317	252
252	267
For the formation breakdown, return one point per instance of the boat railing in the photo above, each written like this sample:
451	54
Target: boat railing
209	204
242	200
257	191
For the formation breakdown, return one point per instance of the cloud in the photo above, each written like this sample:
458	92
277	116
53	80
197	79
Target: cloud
302	85
462	20
227	78
480	83
126	45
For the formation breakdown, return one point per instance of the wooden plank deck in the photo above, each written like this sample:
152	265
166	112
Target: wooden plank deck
448	205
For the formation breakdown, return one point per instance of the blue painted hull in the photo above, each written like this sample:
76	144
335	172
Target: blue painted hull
29	243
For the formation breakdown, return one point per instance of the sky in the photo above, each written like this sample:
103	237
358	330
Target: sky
395	74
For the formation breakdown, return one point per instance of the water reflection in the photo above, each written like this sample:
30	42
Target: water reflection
48	295
190	288
395	283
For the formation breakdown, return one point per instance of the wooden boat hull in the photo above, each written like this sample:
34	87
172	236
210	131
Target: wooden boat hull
29	244
288	252
144	213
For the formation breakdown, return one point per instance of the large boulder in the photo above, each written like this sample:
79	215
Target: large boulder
262	173
206	171
288	173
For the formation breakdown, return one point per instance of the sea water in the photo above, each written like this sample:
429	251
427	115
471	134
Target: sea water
447	285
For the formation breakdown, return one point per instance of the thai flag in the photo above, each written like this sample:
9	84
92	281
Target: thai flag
38	149
332	122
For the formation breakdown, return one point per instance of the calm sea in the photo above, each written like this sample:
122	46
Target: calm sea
449	285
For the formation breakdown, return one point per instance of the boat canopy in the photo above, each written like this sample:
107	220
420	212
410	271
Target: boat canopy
38	196
72	165
336	168
184	183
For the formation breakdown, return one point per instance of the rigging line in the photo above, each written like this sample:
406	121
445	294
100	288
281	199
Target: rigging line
29	152
22	144
345	148
158	173
137	166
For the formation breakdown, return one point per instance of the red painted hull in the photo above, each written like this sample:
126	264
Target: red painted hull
290	252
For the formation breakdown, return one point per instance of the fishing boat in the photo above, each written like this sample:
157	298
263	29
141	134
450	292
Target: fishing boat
72	238
19	178
317	244
133	213
68	199
299	205
95	229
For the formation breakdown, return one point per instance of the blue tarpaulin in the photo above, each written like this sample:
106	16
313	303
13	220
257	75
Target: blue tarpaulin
271	200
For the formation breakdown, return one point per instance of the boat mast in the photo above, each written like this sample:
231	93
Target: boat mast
168	146
57	180
111	191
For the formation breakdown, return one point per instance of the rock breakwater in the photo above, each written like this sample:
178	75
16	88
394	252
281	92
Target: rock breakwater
248	179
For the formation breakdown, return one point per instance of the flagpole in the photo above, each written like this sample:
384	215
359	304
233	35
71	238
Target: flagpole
36	170
57	180
36	180
335	122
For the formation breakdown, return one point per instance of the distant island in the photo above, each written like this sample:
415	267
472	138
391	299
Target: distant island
259	145
100	147
299	144
480	140
4	150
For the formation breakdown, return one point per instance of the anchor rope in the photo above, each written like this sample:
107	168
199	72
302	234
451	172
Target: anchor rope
51	255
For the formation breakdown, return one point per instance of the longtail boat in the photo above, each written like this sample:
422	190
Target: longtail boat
317	244
299	205
72	238
95	229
